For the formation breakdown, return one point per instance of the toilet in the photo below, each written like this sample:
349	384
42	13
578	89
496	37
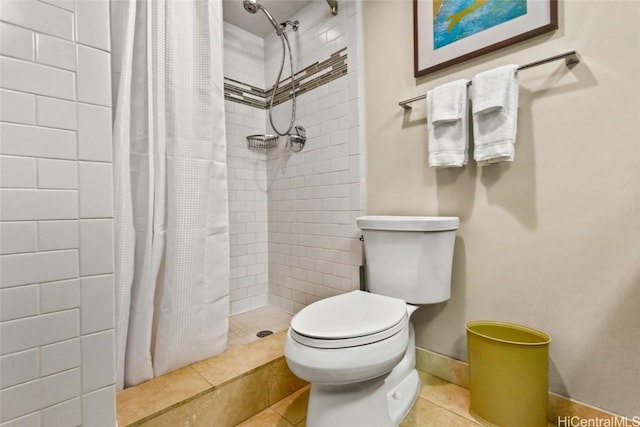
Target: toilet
358	349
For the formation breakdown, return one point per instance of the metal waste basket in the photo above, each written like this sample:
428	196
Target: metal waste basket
508	374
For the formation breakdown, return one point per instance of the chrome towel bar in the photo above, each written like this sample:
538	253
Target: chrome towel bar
571	59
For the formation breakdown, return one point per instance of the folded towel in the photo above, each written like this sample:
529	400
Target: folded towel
495	115
448	124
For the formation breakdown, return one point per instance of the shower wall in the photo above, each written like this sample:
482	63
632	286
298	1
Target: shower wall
293	214
244	68
56	221
315	195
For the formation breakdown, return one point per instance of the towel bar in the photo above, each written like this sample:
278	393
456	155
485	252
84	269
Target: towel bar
571	59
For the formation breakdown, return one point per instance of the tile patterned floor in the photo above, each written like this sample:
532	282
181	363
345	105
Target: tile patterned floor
439	404
243	327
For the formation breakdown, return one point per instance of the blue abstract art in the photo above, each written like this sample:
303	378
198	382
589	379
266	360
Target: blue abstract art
457	19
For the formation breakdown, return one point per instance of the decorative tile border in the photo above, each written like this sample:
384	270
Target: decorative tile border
242	93
312	77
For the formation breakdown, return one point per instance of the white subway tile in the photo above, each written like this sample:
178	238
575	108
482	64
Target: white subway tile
98	361
60	387
17	172
322	200
65	414
99	408
21	140
28	397
31	420
59	357
19	367
58	235
97	312
39	267
354	140
56	52
240	306
54	400
92	23
22	334
60	174
38	204
16	41
57	296
96	190
17	107
96	247
38	16
340	164
18	237
36	78
94	76
355	167
56	113
19	400
21	301
238	294
94	133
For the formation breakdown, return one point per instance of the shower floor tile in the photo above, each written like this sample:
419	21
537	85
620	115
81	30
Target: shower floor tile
243	327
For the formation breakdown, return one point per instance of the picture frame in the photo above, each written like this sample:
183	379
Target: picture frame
448	32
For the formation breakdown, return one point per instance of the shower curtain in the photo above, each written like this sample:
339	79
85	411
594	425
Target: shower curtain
171	211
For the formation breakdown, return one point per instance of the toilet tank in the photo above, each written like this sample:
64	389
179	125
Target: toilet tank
409	257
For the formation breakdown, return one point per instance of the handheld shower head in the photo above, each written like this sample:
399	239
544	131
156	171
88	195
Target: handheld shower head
252	6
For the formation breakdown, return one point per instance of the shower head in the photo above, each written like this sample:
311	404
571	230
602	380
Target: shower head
252	6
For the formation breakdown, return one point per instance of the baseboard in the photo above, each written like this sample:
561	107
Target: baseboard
562	410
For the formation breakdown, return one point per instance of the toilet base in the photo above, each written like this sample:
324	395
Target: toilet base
370	403
379	402
403	396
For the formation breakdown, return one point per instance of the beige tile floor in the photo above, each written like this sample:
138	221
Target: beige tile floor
243	327
439	404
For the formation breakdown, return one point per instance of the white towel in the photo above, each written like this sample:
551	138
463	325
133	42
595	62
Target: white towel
448	124
495	115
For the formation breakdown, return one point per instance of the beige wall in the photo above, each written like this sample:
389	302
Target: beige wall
552	240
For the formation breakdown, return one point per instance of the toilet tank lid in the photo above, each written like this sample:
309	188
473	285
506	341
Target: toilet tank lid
408	223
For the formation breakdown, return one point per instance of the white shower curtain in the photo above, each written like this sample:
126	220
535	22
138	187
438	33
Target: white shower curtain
171	214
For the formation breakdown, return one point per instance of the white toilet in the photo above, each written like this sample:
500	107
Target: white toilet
358	349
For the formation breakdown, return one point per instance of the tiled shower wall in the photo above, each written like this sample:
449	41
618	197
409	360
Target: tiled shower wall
310	198
56	287
244	62
316	194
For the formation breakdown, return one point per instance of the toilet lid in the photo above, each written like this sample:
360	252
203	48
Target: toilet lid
348	316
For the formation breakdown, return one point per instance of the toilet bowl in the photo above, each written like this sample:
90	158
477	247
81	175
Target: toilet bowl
358	352
358	349
346	338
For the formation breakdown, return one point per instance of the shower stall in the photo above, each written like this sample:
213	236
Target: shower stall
292	215
247	227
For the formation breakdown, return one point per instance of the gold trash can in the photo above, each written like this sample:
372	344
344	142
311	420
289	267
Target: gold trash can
508	374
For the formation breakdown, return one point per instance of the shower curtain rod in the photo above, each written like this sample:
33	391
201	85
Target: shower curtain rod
571	59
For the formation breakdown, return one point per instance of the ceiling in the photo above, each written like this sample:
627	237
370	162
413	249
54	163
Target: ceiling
258	24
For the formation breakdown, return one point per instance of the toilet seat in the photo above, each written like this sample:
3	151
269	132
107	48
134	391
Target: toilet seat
353	319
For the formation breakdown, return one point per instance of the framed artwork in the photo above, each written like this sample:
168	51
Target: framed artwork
447	32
